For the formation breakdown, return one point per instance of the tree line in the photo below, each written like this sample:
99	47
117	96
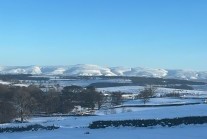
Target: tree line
25	77
21	102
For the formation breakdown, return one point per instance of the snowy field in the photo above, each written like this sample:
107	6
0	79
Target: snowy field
121	114
162	101
75	127
159	91
181	132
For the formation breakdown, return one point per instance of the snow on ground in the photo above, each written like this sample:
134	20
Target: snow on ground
4	83
125	89
8	83
185	93
159	91
155	112
21	85
120	114
76	127
163	101
181	132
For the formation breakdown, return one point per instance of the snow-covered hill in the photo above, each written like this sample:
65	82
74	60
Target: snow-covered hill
21	70
94	70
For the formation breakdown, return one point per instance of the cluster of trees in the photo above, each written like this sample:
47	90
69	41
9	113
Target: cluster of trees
21	102
116	98
174	94
85	97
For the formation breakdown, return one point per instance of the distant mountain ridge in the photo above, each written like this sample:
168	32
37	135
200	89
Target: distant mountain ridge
95	70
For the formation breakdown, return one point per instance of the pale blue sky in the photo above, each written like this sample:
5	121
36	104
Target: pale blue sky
168	34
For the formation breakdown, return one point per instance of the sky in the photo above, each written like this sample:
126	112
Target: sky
170	34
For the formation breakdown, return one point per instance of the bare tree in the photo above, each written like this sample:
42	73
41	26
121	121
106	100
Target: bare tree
147	93
24	103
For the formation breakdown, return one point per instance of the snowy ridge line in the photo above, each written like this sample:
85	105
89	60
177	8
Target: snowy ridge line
95	70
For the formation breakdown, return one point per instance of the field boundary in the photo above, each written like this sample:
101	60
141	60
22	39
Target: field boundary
150	122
